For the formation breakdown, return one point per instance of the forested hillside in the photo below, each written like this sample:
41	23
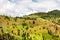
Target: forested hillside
37	26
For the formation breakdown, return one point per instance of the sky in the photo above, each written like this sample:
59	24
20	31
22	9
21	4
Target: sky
25	7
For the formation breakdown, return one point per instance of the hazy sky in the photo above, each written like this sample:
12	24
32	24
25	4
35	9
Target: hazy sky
25	7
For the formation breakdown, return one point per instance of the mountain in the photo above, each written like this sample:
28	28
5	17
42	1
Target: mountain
55	12
37	26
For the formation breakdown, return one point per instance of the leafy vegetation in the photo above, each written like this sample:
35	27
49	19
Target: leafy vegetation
37	26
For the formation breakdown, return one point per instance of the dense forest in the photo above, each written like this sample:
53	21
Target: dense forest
36	26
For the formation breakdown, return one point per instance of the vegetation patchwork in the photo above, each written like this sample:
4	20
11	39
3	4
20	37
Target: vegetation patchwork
37	26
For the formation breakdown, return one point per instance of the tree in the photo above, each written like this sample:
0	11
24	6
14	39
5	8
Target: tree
33	22
18	32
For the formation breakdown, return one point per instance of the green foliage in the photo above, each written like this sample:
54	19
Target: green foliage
36	36
37	26
47	36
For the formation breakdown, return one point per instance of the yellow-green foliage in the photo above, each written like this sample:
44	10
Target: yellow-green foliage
41	19
26	29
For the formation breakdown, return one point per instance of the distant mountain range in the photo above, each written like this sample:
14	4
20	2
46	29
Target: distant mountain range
50	12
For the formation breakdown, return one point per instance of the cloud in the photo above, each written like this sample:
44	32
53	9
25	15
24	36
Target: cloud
44	5
25	7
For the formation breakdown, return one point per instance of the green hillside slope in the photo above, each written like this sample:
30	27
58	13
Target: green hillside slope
37	26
